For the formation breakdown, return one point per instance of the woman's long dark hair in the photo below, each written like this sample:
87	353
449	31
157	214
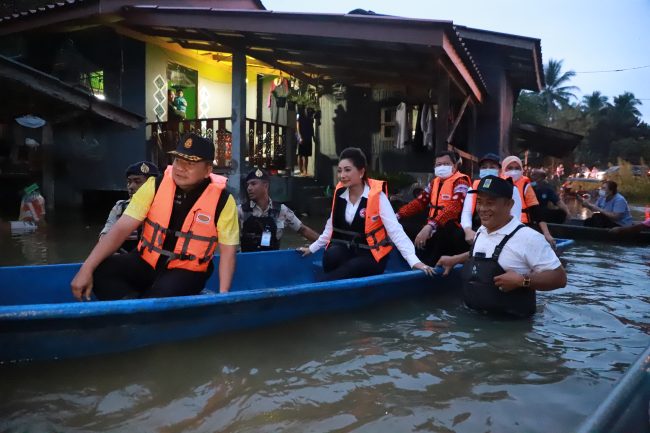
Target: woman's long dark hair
358	159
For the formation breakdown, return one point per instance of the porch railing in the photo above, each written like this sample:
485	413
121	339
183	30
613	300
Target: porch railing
265	147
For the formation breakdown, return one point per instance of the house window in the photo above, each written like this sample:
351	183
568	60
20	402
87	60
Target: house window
388	123
94	81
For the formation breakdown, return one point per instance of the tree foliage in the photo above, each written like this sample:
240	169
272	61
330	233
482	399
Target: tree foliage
611	130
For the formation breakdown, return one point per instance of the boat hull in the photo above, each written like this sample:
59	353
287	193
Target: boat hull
626	408
40	320
576	230
63	328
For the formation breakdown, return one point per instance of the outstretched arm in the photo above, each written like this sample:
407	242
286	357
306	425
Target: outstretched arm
308	233
448	262
417	205
82	283
543	281
227	261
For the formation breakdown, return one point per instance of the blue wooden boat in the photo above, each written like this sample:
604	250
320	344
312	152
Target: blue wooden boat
626	408
40	320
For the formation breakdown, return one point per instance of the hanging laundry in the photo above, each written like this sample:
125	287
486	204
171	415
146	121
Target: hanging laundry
427	125
278	100
401	122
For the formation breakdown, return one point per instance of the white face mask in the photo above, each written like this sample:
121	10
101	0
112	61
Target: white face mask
602	193
488	172
514	174
443	171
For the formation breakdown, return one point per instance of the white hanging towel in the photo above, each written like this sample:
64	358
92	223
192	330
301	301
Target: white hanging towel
401	123
426	124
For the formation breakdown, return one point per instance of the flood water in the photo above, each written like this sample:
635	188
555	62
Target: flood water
422	365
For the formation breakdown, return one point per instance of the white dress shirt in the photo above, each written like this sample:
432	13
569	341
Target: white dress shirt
388	218
466	214
527	250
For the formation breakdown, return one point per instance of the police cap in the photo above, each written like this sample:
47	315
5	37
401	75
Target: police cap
193	147
259	174
142	168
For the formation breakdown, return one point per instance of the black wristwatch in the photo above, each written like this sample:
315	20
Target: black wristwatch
526	282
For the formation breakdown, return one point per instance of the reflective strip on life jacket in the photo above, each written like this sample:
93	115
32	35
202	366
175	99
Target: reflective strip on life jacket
374	231
198	236
442	194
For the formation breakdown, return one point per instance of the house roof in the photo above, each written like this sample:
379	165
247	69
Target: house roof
545	140
522	55
35	92
27	16
342	48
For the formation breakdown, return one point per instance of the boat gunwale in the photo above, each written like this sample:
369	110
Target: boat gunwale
94	308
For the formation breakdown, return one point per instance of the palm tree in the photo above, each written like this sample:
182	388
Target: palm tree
595	104
626	104
624	115
556	94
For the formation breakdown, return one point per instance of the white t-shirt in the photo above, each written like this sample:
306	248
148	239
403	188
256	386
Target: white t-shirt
527	251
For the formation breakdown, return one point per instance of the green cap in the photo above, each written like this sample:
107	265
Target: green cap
31	188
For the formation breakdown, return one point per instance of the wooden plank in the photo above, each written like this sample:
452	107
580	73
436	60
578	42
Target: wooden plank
458	119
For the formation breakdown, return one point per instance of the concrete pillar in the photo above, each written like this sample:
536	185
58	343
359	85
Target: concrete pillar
238	116
442	119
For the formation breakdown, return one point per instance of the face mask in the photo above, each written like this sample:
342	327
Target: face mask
602	193
443	171
488	172
514	174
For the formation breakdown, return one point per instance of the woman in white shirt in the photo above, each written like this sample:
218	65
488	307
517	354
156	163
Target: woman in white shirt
362	227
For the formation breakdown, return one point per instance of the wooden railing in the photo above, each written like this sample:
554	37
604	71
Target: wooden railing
266	142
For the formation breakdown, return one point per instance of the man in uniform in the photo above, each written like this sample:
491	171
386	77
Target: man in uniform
136	175
508	261
262	221
443	199
186	214
552	207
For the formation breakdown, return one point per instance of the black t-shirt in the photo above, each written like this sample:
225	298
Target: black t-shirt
545	194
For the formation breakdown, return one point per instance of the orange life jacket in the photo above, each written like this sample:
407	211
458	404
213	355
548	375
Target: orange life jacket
198	237
442	194
378	241
473	196
521	185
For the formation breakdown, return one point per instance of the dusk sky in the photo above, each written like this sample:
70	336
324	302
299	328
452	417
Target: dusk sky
589	35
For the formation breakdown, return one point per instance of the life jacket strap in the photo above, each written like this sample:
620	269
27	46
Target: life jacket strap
159	230
378	244
354	242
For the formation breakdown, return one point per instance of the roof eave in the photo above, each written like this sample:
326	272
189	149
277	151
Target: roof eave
43	83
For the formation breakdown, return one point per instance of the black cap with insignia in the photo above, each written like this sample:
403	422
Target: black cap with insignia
495	186
142	168
193	147
259	174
